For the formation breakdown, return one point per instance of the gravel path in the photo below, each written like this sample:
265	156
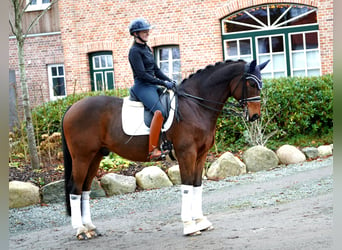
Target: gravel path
288	207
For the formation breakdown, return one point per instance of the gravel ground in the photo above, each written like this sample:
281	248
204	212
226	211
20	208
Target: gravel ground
152	212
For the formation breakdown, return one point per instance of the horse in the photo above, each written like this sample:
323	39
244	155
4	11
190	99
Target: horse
92	127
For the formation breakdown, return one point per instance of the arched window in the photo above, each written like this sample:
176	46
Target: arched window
287	34
101	70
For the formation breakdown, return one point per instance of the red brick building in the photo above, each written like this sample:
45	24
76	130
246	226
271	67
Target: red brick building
83	45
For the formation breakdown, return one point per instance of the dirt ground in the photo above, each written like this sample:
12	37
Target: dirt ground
301	223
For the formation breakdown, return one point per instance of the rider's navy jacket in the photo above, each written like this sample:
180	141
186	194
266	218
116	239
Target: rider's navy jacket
143	65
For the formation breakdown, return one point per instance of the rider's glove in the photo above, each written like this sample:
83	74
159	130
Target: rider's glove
169	85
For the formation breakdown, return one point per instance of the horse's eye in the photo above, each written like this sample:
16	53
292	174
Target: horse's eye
252	84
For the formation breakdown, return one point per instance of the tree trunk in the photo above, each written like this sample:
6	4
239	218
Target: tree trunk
27	109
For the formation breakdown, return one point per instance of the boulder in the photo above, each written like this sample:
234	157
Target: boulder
174	175
288	154
152	177
310	152
114	184
259	158
22	194
226	165
324	150
53	192
96	189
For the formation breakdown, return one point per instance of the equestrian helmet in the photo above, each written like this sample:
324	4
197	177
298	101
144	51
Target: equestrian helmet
139	24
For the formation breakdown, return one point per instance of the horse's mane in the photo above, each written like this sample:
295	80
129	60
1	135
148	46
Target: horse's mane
211	67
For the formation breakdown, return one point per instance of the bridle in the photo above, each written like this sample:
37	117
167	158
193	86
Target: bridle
241	103
245	77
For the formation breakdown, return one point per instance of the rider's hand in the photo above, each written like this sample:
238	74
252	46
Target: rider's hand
169	85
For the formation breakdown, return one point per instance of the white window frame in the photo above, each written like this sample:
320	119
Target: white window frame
239	56
36	7
107	59
170	60
52	96
305	53
269	68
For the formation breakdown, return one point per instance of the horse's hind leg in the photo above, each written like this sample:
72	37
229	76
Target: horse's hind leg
82	176
86	215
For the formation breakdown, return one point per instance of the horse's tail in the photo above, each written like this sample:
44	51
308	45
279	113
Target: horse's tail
67	169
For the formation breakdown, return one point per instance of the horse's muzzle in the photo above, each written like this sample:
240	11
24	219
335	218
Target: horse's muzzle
254	117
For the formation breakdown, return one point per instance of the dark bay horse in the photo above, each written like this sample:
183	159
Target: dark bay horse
92	127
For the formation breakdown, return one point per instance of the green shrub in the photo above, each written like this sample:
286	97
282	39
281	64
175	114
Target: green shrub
293	106
47	117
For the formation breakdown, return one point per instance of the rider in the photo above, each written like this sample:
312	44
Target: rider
147	77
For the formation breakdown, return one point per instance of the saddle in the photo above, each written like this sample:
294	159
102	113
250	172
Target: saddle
136	119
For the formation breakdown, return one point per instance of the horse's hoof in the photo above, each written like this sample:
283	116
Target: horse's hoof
82	236
95	233
190	229
204	224
194	234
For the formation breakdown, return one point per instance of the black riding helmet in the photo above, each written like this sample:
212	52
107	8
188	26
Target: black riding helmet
139	24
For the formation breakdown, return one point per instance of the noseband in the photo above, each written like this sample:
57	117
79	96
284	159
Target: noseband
245	77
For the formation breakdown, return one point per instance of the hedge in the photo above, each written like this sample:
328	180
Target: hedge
291	106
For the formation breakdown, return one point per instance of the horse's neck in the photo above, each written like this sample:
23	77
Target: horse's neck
214	88
219	84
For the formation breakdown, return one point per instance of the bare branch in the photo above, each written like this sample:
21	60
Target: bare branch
12	28
26	5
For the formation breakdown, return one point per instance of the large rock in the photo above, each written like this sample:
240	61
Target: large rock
259	158
53	192
226	165
114	184
288	154
22	194
325	150
152	177
174	175
96	189
310	152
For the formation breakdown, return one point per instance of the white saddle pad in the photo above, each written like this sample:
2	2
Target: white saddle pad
133	117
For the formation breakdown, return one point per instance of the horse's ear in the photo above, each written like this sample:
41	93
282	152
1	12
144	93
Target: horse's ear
263	65
252	66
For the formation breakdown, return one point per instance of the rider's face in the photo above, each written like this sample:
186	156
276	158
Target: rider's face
144	34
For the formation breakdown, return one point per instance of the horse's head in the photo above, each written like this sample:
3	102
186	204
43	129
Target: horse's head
251	85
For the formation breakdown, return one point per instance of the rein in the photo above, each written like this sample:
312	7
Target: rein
241	103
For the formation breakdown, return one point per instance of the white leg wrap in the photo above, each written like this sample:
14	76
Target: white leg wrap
86	218
197	212
75	204
187	193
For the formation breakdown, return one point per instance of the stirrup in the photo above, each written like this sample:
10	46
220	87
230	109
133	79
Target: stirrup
156	155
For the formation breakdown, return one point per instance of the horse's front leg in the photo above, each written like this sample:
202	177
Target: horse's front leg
202	223
192	217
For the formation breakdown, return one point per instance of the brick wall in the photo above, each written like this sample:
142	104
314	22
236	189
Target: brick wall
89	26
194	25
39	52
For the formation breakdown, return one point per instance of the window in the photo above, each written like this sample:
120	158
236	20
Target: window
56	81
239	49
101	71
305	58
272	47
35	5
168	59
287	34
